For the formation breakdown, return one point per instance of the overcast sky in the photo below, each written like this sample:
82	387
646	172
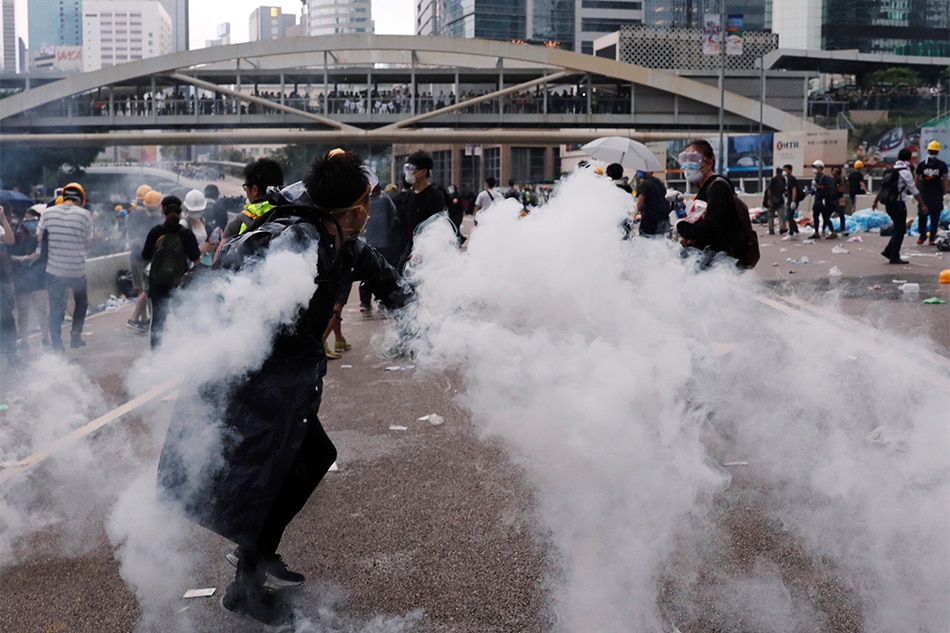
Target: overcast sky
393	17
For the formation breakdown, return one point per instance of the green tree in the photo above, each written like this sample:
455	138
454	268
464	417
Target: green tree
28	166
895	76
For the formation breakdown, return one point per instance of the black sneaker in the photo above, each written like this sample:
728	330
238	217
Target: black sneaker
76	342
278	576
261	606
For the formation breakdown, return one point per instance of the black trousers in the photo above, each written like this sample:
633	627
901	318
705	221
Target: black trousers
934	208
312	462
898	213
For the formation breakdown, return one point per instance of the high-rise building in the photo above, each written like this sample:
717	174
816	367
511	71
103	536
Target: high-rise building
223	38
329	17
120	31
269	23
178	12
54	23
903	27
8	28
688	14
567	24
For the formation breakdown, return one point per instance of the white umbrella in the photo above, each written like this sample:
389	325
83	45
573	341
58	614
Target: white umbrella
628	152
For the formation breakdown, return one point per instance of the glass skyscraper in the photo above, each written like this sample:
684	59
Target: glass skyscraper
54	23
903	27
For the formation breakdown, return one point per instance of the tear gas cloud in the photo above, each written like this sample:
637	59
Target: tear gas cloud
621	380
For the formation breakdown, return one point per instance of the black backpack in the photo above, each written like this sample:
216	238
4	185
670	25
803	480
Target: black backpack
169	263
745	245
890	187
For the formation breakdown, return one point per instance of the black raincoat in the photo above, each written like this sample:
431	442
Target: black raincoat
226	475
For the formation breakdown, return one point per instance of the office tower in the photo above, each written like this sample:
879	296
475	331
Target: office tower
178	12
688	14
269	23
8	28
120	31
223	38
903	27
54	23
328	17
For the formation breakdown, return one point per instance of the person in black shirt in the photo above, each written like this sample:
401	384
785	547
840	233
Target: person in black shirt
774	201
856	185
158	294
931	179
792	196
424	200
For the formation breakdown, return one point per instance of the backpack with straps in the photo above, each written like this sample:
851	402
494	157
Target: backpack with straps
890	187
746	245
169	263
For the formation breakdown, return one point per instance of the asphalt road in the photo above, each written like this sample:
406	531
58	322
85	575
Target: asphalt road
424	527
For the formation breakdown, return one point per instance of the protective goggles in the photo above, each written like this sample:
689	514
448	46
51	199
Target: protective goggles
690	156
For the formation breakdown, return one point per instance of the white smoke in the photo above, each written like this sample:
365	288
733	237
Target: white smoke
620	379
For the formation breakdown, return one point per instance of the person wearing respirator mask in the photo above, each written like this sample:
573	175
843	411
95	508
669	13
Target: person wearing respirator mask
718	229
424	201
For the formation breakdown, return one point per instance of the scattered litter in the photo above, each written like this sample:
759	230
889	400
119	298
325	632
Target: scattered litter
910	288
852	358
346	366
805	260
200	593
782	250
791	260
924	255
839	250
887	436
400	367
433	418
3	407
878	287
775	264
735	463
934	301
791	272
834	272
183	609
856	238
396	427
334	467
898	281
808	241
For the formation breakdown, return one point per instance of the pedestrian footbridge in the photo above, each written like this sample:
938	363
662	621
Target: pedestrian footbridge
374	88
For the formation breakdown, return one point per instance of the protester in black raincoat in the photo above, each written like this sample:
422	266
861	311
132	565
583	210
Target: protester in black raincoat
273	451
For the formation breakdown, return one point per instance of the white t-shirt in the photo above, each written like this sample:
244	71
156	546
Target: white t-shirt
485	199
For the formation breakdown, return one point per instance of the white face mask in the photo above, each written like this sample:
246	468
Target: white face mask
409	173
814	170
693	172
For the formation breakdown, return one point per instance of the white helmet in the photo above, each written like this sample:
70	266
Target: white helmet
819	164
195	201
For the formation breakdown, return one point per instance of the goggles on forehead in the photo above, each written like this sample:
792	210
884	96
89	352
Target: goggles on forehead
689	157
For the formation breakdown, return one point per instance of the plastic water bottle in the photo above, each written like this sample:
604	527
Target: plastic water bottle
910	288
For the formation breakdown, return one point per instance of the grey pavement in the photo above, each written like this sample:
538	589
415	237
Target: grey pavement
427	528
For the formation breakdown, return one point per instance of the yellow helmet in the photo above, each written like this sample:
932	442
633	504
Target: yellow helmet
153	199
141	191
74	191
859	164
118	207
933	146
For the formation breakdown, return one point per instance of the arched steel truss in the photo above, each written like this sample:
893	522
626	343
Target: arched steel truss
662	105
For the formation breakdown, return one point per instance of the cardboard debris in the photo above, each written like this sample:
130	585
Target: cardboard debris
200	593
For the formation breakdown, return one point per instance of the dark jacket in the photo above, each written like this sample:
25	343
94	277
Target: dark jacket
719	229
655	215
235	468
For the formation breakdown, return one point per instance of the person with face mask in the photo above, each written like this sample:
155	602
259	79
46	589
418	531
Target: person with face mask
140	222
424	200
712	225
29	279
278	451
931	179
824	189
